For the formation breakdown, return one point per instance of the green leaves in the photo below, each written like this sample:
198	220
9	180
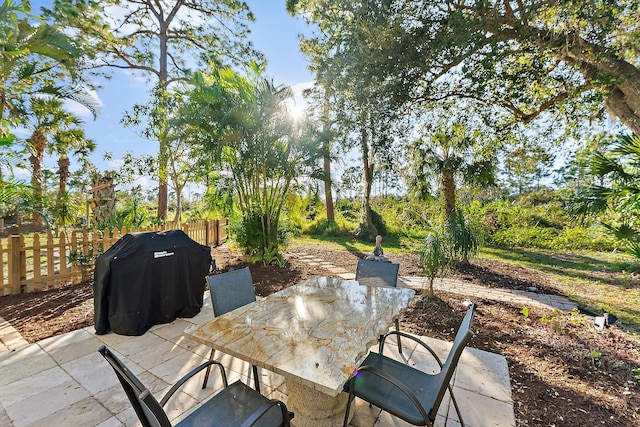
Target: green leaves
246	128
619	192
12	193
536	59
462	234
33	54
435	255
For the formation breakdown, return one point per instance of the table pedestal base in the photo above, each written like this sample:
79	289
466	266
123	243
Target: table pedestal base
313	408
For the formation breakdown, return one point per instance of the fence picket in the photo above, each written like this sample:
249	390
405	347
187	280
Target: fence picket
3	271
51	261
37	272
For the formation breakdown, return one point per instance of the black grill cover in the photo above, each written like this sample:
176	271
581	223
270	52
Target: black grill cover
146	279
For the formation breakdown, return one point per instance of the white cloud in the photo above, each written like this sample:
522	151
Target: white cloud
22	174
144	182
115	164
137	78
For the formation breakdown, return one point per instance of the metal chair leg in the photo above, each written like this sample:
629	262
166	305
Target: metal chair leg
398	330
255	377
350	399
206	374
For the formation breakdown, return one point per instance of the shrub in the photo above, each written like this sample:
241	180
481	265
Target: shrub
435	256
464	238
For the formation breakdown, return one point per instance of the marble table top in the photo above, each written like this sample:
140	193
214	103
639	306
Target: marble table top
315	333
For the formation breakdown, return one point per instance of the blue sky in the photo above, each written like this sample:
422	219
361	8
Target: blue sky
274	33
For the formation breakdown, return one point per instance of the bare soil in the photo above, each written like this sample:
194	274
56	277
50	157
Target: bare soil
563	372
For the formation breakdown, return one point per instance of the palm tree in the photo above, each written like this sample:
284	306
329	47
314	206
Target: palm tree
32	59
70	140
49	120
618	171
452	152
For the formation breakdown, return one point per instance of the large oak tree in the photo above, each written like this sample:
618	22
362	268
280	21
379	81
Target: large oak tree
567	57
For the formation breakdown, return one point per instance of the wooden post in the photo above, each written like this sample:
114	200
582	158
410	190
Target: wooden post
73	249
207	233
222	231
37	272
216	228
14	264
62	253
2	267
23	260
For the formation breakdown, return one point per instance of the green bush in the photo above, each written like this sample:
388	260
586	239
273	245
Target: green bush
260	246
326	228
537	220
378	222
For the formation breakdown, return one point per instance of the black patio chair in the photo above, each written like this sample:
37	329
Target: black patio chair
375	273
229	291
235	405
406	392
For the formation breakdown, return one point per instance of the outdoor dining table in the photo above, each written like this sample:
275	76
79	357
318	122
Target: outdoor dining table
314	334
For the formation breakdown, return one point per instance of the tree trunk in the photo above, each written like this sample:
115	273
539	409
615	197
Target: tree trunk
328	194
178	216
449	192
104	198
38	142
163	75
429	291
366	229
326	149
63	174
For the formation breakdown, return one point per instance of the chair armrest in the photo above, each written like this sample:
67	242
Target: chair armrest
411	337
258	413
396	383
189	375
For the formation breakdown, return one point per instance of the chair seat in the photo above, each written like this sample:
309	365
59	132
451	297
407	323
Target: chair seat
380	393
232	406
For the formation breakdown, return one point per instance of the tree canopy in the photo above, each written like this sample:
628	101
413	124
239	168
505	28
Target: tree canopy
568	58
163	40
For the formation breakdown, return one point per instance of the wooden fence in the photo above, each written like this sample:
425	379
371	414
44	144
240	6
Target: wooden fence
41	262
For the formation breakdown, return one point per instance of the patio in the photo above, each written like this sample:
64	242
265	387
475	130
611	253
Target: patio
64	381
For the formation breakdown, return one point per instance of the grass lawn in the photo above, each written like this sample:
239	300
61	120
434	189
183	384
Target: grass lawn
599	281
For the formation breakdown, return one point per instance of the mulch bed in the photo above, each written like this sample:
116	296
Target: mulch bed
563	372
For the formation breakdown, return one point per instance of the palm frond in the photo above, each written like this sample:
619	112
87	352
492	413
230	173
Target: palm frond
601	165
628	145
635	249
623	232
594	200
12	193
77	93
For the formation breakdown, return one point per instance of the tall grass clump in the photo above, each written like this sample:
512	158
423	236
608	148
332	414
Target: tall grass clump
435	256
463	236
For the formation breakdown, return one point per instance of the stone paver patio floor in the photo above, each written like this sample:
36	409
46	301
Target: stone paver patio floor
63	381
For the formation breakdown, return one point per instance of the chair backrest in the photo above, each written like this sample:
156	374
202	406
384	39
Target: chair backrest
463	336
377	273
231	290
147	408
